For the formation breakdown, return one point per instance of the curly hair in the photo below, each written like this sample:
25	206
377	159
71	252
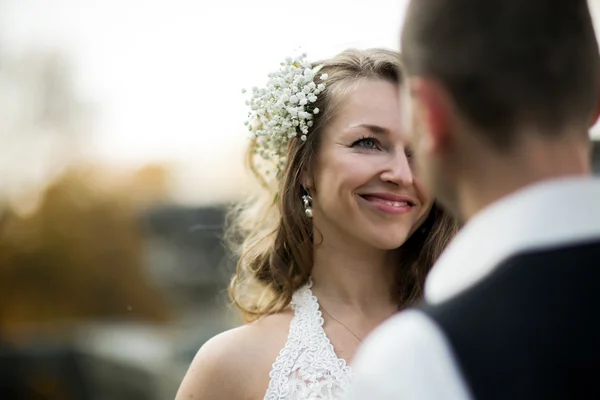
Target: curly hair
269	232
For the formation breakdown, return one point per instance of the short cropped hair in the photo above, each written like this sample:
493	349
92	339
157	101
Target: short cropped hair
508	63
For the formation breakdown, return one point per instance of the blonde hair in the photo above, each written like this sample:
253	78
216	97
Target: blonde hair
272	237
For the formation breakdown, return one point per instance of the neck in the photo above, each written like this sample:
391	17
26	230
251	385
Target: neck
345	279
533	160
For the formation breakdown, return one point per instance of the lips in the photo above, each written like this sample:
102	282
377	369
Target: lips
390	203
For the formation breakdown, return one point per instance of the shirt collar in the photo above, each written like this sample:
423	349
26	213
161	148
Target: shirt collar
543	215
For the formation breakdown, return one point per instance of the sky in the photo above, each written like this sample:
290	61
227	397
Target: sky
165	76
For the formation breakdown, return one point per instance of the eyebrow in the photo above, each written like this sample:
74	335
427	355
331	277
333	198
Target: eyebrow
373	128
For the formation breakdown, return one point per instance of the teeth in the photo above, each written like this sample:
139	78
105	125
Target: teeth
396	203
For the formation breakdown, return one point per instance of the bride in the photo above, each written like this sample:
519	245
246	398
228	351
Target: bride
342	238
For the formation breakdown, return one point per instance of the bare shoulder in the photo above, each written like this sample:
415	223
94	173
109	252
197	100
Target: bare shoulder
236	364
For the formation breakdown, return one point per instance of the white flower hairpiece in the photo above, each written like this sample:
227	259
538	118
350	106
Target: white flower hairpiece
284	109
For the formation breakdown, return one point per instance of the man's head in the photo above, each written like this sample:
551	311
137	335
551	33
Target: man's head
486	75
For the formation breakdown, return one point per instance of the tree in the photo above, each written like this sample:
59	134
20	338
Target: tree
80	256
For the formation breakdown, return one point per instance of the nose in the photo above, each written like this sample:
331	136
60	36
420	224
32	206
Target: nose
398	169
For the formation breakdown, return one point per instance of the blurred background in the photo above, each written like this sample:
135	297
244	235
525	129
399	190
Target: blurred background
121	146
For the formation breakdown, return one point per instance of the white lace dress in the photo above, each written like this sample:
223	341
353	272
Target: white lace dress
307	367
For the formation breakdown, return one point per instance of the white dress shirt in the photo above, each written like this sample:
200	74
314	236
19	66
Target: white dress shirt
408	356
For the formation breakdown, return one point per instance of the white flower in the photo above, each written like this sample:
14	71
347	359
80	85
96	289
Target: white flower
243	90
324	76
278	111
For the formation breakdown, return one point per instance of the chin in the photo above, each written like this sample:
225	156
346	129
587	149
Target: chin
392	246
389	242
384	235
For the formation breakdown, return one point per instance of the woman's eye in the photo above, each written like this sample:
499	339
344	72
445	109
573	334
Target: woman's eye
366	143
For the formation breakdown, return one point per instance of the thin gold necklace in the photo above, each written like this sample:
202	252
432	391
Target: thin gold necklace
341	323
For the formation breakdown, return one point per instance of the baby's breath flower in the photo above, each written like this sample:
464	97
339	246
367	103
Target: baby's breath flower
283	109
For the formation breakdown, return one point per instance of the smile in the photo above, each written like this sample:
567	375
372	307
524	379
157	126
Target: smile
388	203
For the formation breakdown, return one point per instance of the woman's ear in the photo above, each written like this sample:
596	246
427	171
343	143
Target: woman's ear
306	180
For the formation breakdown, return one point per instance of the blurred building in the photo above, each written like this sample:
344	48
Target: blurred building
186	258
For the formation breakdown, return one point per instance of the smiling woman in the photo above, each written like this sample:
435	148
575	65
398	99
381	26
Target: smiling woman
351	226
362	176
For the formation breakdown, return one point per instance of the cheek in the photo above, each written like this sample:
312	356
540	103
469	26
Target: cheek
343	174
424	195
423	175
422	166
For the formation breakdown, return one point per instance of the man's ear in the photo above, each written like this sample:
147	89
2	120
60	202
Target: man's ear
432	113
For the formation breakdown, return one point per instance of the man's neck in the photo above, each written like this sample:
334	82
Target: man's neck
532	161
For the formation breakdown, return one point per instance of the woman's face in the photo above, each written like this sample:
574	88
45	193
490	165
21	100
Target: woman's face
365	191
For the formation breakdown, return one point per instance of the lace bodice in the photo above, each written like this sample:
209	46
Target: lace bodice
307	367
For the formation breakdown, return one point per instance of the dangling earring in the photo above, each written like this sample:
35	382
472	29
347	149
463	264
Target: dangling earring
307	200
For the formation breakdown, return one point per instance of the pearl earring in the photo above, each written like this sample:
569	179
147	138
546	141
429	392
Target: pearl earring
307	201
